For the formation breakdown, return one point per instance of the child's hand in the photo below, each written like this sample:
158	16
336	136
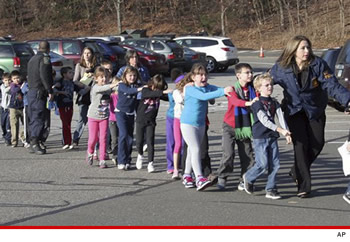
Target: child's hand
348	146
168	91
289	139
250	103
227	90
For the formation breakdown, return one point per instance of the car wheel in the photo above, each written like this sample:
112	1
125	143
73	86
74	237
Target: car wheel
211	64
222	68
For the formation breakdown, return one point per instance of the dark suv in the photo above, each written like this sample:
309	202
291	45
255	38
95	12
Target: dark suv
342	66
169	48
14	56
68	48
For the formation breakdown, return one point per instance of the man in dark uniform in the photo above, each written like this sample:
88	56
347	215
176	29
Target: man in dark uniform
40	83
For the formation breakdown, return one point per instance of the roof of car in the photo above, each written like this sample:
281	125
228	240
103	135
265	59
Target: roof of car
202	37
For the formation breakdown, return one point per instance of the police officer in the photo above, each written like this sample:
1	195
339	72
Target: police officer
40	83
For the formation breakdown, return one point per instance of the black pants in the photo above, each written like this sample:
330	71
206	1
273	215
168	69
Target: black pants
205	159
148	129
37	115
308	142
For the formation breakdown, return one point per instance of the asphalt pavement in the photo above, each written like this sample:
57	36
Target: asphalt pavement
59	188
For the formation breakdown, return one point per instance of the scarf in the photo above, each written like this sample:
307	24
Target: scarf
243	118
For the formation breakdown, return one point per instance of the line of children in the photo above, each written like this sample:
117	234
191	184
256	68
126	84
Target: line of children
147	112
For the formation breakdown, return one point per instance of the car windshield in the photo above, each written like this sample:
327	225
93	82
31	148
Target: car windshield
6	51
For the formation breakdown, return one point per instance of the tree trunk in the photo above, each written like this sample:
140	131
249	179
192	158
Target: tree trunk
281	14
342	17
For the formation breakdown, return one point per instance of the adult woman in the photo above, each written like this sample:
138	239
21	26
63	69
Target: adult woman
83	74
132	59
306	80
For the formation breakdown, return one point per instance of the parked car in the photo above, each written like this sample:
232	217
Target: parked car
58	62
342	66
193	57
68	48
330	56
155	63
14	56
221	52
169	48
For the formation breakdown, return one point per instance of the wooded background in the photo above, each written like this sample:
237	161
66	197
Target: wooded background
250	23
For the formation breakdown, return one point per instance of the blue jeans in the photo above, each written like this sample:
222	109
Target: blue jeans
266	158
79	129
126	133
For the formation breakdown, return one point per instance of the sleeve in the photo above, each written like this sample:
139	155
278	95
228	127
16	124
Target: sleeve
120	72
204	96
125	89
77	75
281	119
273	72
99	89
262	116
330	83
148	93
235	101
46	73
24	88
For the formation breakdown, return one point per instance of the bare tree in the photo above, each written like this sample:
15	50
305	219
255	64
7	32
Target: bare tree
341	4
224	5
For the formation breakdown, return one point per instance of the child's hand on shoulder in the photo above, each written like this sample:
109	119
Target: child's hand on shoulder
168	91
227	90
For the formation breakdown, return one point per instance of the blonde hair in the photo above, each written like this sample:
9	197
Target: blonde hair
260	78
288	55
100	71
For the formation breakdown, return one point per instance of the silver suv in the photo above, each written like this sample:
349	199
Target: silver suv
221	52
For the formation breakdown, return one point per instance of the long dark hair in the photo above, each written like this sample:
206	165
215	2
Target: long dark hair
93	58
157	82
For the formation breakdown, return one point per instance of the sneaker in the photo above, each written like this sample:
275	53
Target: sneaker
221	183
188	182
103	164
65	147
175	175
170	171
95	157
71	147
248	187
26	145
144	148
42	145
202	183
240	186
89	159
121	167
127	166
346	197
150	167
273	194
139	161
37	149
115	162
14	145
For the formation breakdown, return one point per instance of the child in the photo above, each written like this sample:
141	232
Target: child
113	127
193	120
146	118
64	91
125	114
175	75
178	96
237	126
16	109
98	114
346	196
5	102
265	135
